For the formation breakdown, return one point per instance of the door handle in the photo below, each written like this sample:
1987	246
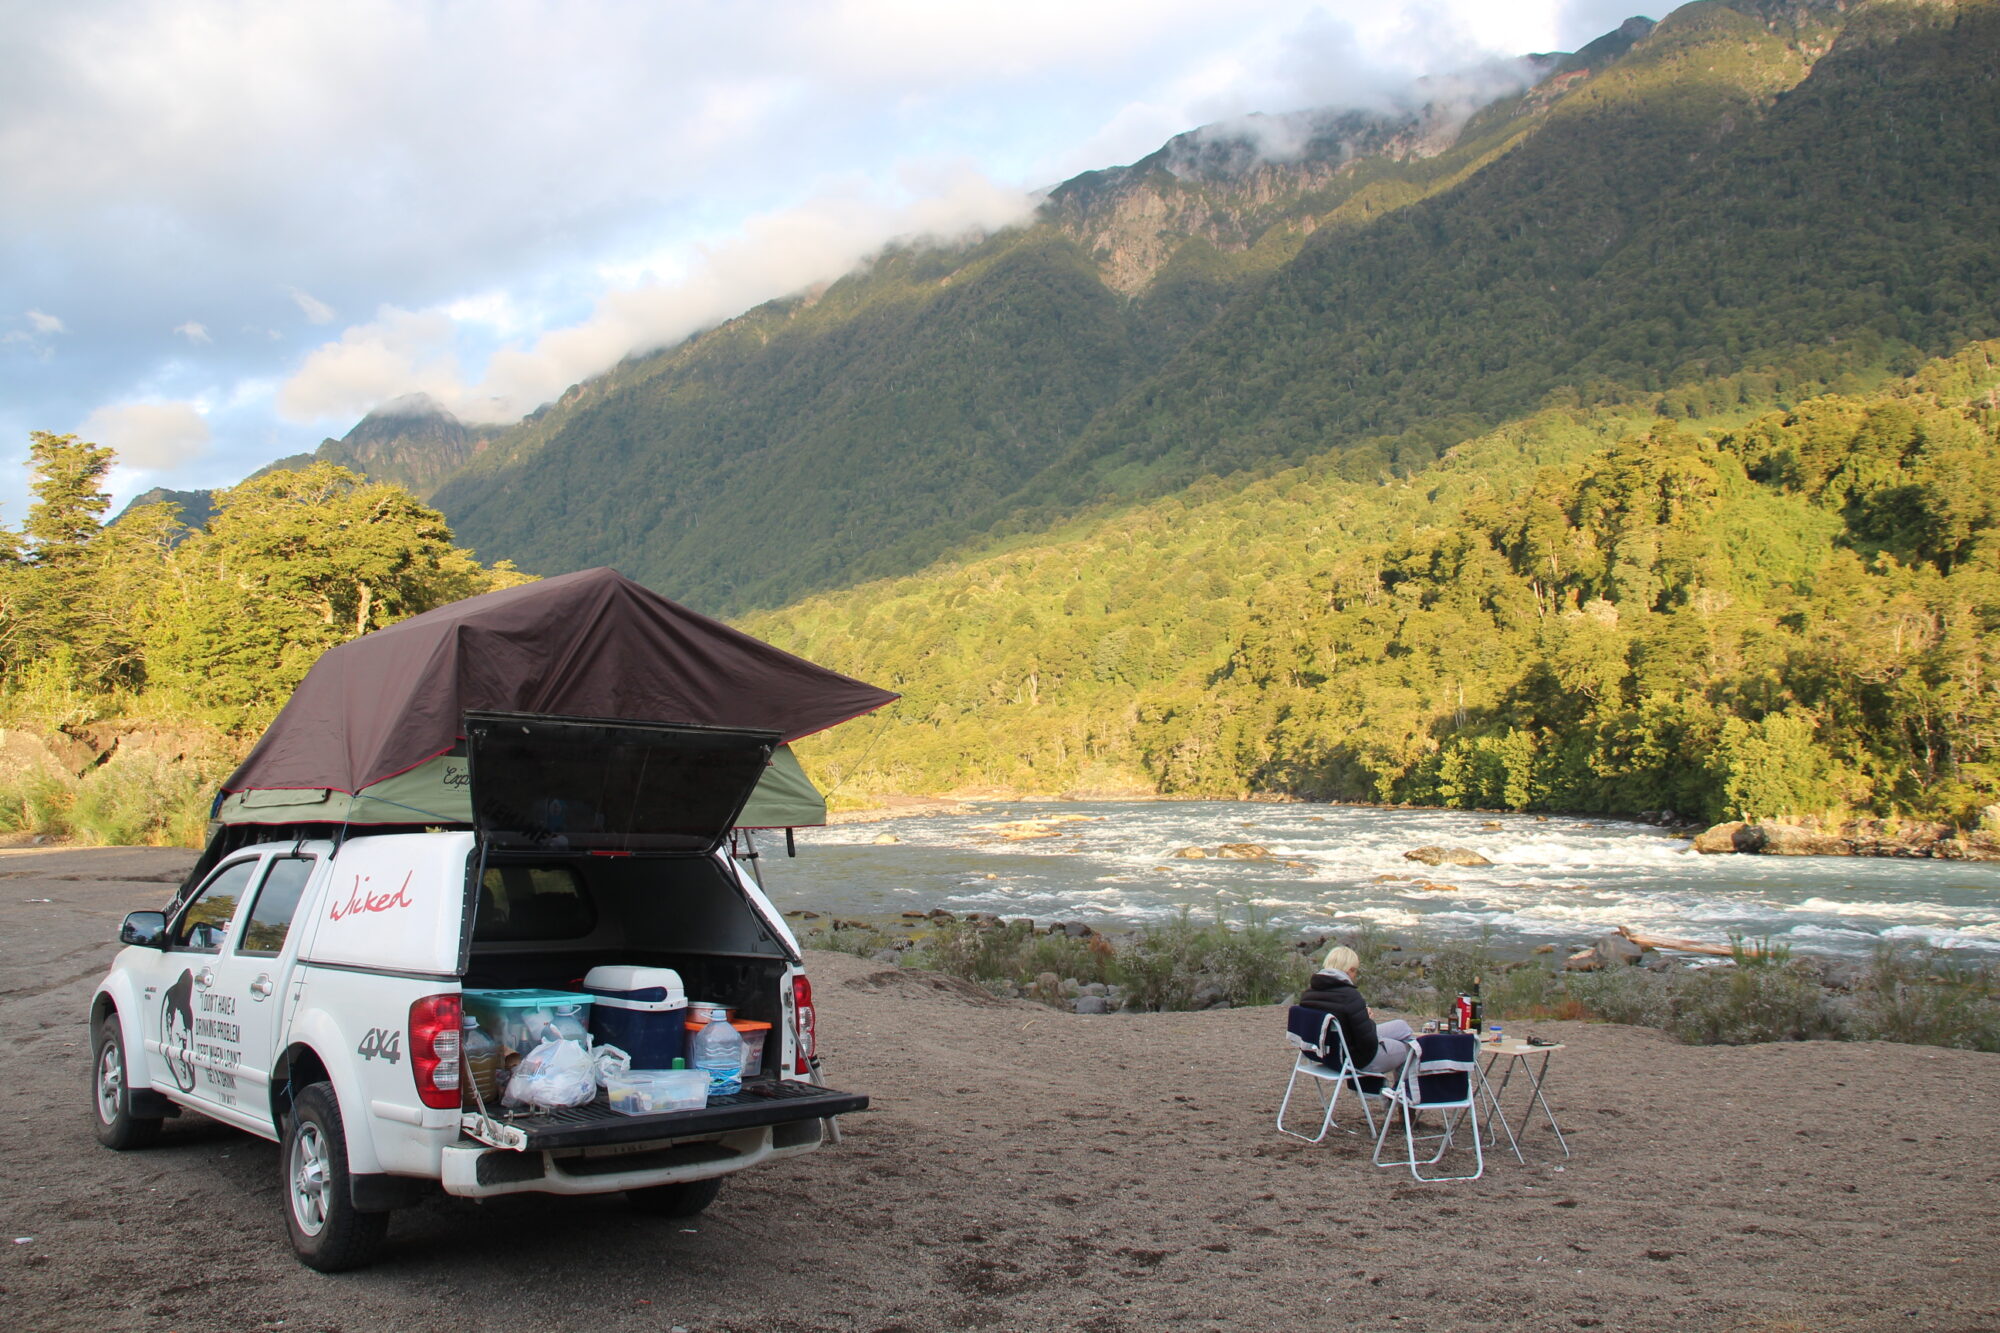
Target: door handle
205	978
261	987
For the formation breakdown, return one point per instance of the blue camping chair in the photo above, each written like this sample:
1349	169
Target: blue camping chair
1440	1074
1322	1056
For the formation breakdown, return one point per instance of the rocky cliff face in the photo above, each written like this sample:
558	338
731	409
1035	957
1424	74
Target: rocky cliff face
1275	179
412	442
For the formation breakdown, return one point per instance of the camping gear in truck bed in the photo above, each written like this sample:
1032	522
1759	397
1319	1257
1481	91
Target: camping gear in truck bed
776	1102
640	1010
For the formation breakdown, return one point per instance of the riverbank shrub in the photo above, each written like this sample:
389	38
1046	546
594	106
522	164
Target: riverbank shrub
1013	952
1185	966
1925	997
133	799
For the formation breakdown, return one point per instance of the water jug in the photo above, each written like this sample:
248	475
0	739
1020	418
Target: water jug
718	1049
482	1060
568	1023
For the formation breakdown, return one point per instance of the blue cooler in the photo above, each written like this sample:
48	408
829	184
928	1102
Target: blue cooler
640	1010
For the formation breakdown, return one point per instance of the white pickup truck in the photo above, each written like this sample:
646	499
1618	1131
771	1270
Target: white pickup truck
306	989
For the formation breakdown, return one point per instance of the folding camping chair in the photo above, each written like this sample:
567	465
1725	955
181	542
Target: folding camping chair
1322	1056
1441	1074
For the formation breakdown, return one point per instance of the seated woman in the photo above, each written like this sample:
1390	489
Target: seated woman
1376	1048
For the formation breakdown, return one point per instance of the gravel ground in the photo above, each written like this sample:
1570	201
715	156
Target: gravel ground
1028	1169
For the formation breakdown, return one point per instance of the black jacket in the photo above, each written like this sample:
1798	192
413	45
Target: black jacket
1335	994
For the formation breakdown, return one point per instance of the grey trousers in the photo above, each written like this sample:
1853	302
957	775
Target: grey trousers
1395	1037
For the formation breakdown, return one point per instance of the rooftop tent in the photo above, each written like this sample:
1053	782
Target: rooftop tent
437	792
375	732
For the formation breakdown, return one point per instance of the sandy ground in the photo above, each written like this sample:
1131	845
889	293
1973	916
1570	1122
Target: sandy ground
1028	1169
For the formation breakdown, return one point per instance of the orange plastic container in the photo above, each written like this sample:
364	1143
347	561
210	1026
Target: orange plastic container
751	1030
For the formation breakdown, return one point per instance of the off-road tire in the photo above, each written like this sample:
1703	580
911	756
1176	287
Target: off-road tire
111	1091
328	1232
683	1200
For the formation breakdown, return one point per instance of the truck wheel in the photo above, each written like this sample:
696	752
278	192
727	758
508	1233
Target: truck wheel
682	1200
328	1233
111	1092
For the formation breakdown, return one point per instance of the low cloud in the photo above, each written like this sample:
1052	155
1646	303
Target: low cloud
315	311
194	333
149	437
42	323
773	255
399	352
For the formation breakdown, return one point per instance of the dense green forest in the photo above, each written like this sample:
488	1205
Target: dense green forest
1782	613
1752	203
151	654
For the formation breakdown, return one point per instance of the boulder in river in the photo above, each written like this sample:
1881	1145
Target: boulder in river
1614	950
1192	854
1243	851
1446	856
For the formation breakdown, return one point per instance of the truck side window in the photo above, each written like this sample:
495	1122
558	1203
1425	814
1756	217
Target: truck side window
277	902
204	921
533	903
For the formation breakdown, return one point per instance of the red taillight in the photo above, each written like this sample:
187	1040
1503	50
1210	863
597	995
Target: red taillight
808	1025
435	1021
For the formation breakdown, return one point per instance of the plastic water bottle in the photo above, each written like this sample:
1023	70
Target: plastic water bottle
718	1049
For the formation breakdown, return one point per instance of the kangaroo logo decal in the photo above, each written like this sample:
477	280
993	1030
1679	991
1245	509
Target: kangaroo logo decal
177	1031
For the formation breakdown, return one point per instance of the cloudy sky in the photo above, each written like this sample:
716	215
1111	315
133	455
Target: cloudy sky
230	228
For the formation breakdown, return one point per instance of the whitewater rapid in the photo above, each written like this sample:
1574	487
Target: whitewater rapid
1551	879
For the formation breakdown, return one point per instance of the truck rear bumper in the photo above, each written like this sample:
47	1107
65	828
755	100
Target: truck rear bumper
475	1171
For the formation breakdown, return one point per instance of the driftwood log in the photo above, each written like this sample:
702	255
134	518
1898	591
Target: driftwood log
1684	946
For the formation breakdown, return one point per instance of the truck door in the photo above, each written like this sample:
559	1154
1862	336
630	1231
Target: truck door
224	1006
186	968
251	988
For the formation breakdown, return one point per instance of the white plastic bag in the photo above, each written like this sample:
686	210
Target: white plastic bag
609	1062
555	1073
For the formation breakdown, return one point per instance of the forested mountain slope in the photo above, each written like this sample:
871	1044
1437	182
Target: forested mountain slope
1789	613
1752	202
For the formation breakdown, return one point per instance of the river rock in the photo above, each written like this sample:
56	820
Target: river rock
1583	960
1192	854
1798	840
1615	951
1091	1004
1243	851
1734	836
1446	856
1077	930
886	839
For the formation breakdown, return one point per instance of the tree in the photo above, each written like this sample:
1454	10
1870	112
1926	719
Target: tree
291	564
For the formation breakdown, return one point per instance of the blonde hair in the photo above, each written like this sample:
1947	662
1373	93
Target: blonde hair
1340	958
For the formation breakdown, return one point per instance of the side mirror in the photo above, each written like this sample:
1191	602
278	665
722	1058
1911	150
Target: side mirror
146	929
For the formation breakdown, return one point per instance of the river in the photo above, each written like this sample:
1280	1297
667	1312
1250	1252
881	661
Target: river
1551	879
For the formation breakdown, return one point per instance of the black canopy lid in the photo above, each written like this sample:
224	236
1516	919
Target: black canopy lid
593	784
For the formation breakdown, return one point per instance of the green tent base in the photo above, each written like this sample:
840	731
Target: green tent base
439	791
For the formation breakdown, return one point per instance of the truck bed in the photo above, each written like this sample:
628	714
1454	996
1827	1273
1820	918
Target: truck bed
766	1102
